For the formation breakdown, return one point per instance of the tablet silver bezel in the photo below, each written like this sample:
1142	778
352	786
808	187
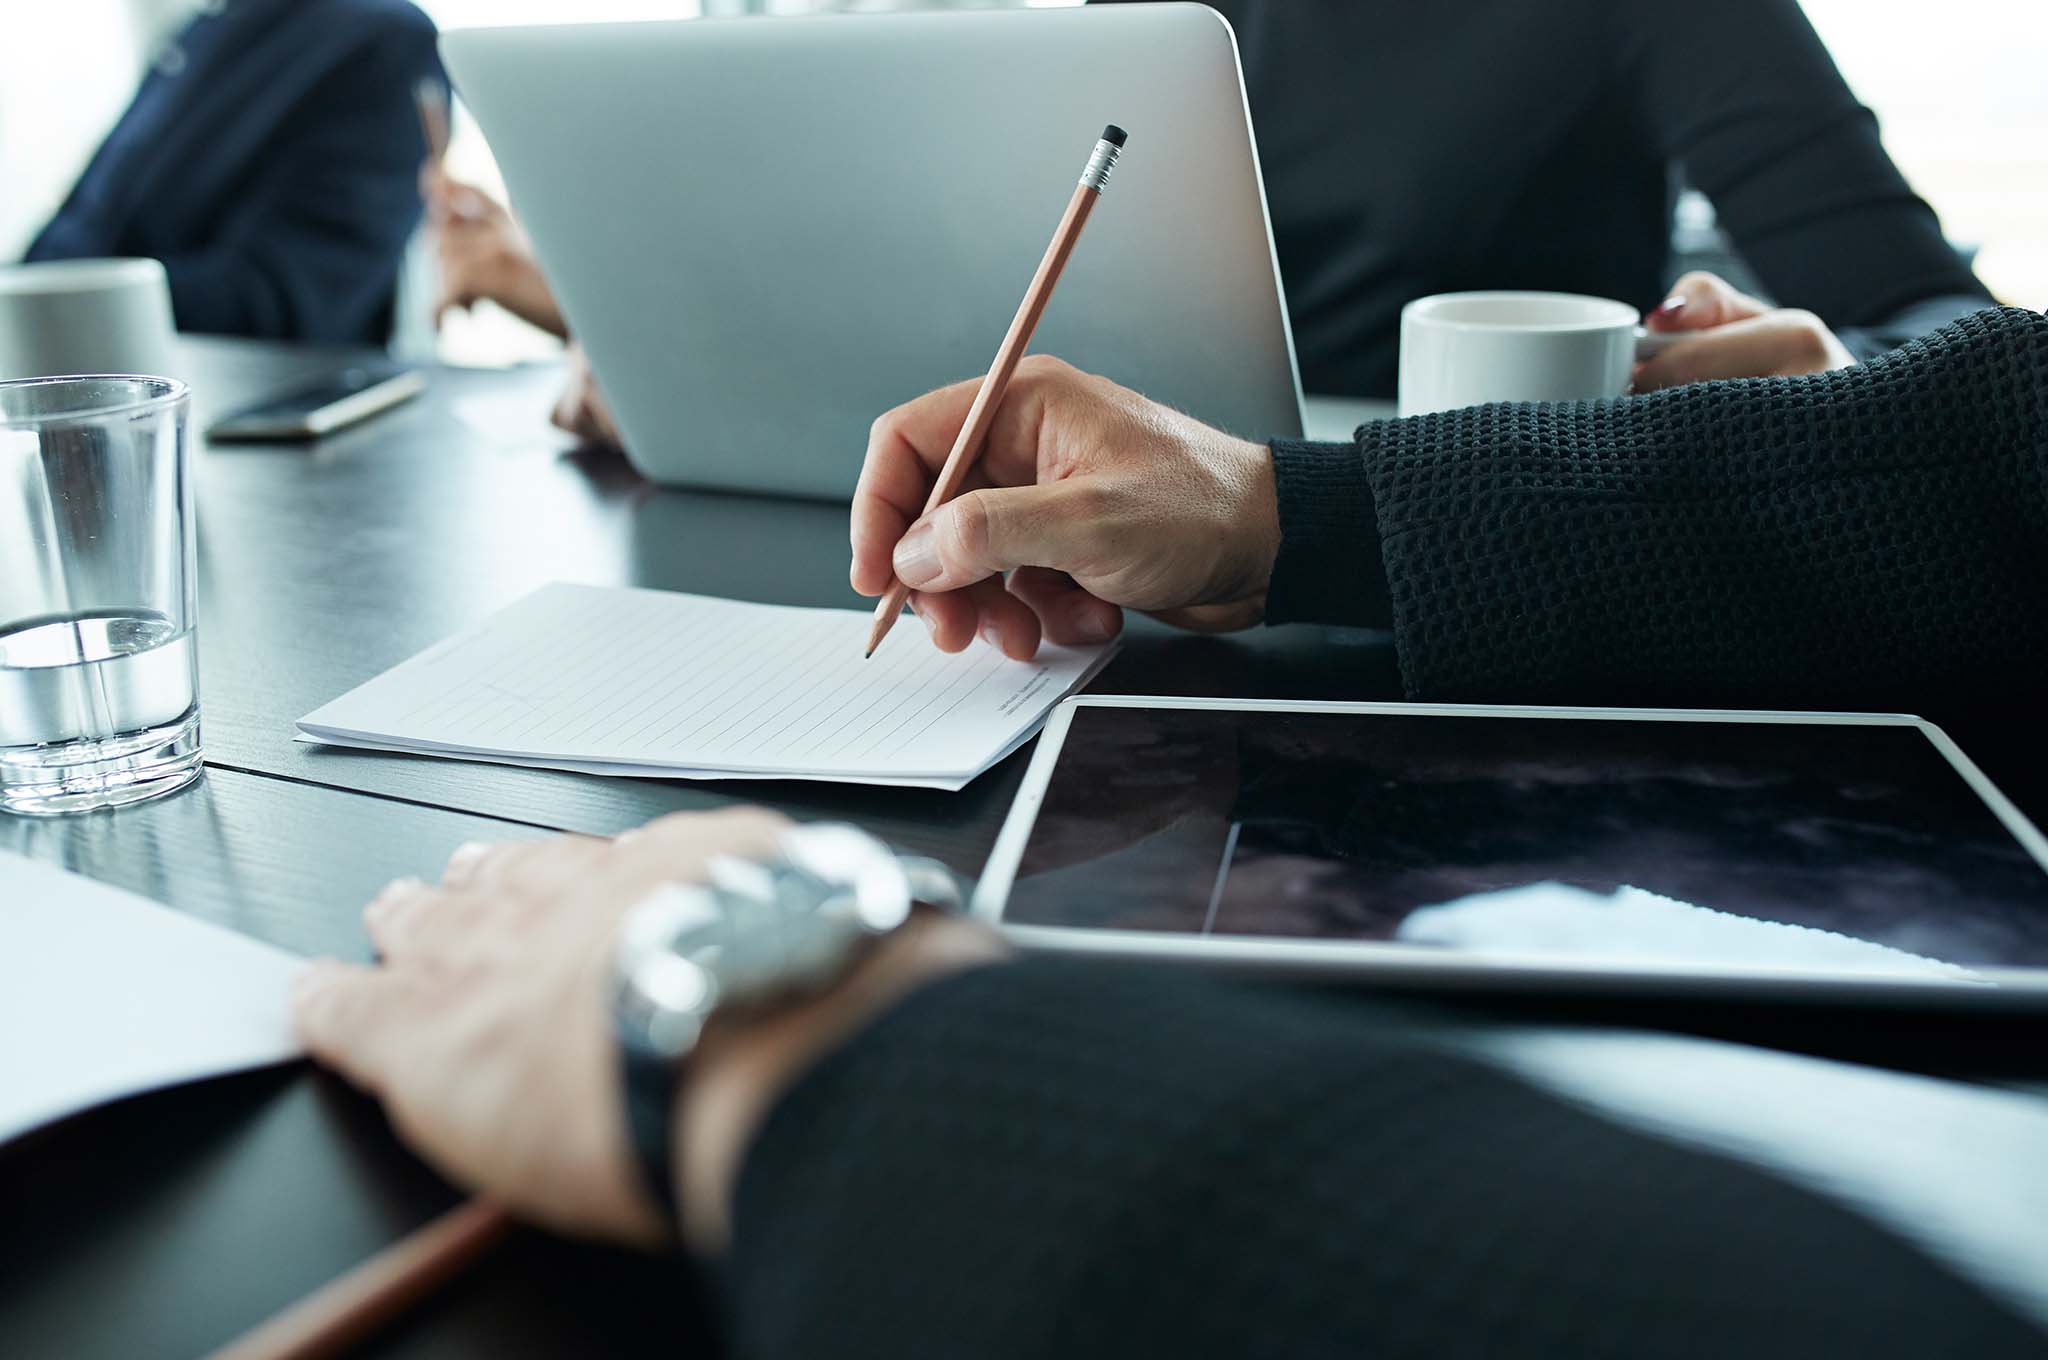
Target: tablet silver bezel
1390	963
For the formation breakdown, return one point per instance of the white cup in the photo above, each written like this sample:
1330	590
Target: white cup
65	317
1463	349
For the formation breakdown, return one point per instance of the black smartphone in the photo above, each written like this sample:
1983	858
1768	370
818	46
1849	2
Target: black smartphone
330	403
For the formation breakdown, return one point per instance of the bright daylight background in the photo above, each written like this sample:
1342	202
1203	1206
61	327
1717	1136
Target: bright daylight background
1961	89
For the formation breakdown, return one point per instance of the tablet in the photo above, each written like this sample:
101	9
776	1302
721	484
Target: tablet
1847	856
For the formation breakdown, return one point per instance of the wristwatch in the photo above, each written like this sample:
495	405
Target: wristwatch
755	935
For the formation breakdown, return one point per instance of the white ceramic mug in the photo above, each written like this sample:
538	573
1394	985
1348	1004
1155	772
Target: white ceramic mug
61	317
1463	349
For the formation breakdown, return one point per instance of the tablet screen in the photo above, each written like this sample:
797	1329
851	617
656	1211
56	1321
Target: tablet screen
1771	843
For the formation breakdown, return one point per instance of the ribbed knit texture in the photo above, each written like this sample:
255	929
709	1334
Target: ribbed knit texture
1078	1160
1328	533
1872	537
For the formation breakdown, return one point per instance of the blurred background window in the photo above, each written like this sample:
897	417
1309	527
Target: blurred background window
66	73
1961	91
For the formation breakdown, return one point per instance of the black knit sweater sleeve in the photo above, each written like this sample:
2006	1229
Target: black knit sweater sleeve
1075	1160
1872	537
1330	568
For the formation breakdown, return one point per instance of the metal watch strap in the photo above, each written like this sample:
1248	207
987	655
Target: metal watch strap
650	1089
755	933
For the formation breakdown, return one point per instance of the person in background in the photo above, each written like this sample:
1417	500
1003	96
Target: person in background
1418	149
1476	144
946	1152
268	160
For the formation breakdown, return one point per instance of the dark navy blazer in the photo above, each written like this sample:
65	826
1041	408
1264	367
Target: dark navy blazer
271	162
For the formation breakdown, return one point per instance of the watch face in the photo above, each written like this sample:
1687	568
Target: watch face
755	934
853	873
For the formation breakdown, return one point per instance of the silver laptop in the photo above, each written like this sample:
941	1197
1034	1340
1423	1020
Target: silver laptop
766	232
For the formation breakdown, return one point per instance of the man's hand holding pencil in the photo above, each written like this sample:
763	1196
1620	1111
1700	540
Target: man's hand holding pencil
1088	499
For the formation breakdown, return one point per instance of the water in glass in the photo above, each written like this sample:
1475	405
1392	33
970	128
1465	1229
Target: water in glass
98	669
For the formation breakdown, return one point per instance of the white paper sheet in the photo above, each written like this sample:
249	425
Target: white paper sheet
652	683
104	994
619	770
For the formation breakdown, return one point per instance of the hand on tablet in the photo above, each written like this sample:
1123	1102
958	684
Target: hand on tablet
1737	337
486	1027
1088	497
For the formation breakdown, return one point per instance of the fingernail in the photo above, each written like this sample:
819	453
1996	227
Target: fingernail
992	635
312	980
463	859
395	889
1090	626
1670	307
381	905
917	556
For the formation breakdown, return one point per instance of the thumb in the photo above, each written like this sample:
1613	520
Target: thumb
987	532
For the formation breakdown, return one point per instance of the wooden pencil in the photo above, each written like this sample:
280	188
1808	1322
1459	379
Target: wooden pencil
982	414
351	1307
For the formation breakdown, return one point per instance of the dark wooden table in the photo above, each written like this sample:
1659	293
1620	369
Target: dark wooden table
167	1224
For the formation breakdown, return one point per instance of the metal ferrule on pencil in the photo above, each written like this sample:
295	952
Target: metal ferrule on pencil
1096	176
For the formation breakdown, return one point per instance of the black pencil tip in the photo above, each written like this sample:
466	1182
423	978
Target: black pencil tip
1114	135
868	655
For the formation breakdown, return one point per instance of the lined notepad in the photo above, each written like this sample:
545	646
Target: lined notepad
652	683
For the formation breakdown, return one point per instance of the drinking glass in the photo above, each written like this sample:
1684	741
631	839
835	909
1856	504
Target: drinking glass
98	672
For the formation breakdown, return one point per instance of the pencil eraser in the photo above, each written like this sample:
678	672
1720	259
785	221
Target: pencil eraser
1114	135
